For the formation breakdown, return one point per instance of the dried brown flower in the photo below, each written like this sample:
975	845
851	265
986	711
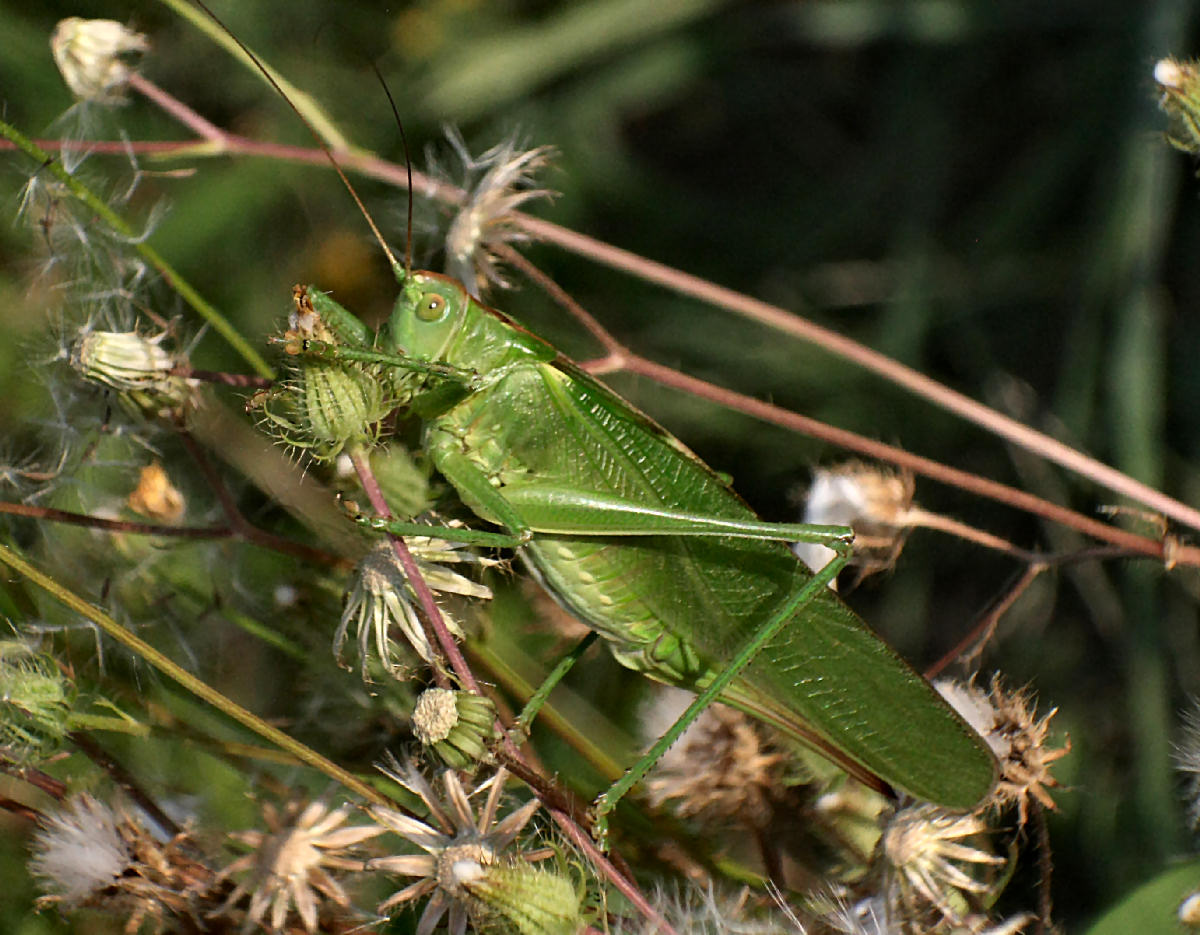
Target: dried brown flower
1007	721
88	854
290	864
722	768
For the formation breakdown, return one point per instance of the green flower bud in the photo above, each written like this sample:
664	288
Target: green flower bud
137	367
515	898
458	726
35	704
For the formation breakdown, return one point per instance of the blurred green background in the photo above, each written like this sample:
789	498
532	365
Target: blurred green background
979	189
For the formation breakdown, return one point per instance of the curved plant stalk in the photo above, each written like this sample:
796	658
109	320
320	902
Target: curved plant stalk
943	397
370	166
188	681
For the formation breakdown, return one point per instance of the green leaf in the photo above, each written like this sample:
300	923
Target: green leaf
1152	909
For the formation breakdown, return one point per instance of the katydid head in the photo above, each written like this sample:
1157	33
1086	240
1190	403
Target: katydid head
429	313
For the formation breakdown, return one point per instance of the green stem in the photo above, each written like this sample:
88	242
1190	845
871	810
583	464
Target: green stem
500	660
97	206
190	682
538	698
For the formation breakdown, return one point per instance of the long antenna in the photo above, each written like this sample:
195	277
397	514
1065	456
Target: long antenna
325	146
407	168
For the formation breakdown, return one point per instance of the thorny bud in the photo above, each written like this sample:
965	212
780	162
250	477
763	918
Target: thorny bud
322	408
88	54
1007	721
458	726
137	367
874	501
35	704
514	898
325	405
1179	83
156	497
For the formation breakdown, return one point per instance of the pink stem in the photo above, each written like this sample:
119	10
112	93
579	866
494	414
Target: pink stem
415	579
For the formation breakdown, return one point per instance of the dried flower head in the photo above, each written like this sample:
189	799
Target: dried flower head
88	53
1179	83
485	219
156	497
465	869
290	864
874	916
722	768
35	704
869	916
1007	721
382	596
876	502
933	863
138	367
702	910
456	725
87	854
1189	911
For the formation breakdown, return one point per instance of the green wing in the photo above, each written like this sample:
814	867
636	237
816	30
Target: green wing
676	606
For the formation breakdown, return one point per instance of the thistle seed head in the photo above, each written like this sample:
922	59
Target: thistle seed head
462	850
91	55
382	596
486	219
723	768
874	501
79	852
934	864
88	854
1187	761
1007	721
290	865
138	368
1189	911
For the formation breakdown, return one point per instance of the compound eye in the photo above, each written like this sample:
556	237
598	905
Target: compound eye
431	307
